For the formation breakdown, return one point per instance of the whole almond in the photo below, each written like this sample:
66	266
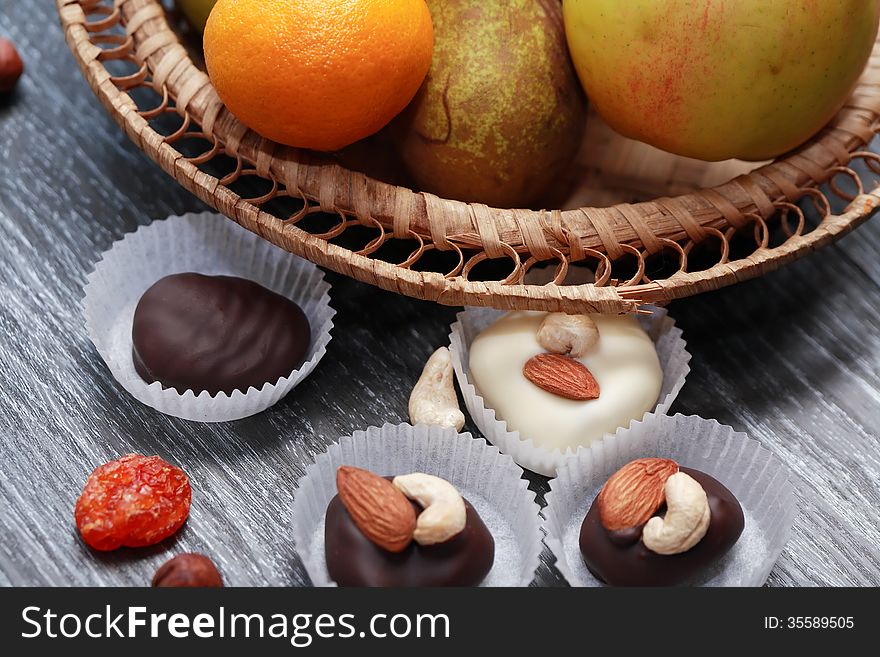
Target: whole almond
561	376
380	511
634	493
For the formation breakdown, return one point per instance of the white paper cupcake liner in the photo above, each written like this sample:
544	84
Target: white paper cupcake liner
755	476
206	243
490	481
671	350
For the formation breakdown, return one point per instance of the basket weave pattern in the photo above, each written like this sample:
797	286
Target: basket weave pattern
135	37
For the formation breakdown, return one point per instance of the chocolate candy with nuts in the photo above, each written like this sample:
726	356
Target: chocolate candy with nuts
563	381
412	530
655	523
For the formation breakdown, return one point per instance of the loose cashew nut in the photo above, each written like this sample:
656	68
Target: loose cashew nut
444	515
571	335
686	521
433	399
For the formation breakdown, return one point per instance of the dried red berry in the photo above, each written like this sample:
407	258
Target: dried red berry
188	570
11	66
133	501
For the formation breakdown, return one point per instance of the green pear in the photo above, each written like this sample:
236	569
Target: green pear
501	113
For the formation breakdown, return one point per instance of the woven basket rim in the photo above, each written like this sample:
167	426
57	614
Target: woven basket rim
445	224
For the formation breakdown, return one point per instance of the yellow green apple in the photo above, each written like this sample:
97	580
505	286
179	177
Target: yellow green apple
716	79
197	11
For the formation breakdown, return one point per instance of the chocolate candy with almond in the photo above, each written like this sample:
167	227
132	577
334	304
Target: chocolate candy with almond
612	540
370	539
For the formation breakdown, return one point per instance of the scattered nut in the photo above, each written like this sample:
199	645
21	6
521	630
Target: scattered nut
188	570
433	399
569	335
444	514
561	376
634	493
379	510
686	521
11	66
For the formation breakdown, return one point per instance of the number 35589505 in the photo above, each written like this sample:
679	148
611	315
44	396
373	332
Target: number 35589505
809	622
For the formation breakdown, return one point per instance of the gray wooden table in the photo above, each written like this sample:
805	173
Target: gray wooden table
796	369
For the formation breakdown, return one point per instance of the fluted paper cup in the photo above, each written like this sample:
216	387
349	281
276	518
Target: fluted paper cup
671	350
490	481
754	475
206	243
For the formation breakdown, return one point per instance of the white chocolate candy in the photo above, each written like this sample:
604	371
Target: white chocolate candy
624	364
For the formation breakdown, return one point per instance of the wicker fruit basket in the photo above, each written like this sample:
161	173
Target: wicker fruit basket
640	227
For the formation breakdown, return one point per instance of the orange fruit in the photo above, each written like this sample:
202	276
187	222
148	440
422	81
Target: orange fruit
318	74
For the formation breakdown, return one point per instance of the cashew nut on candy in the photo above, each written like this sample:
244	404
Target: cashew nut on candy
569	335
686	521
444	514
433	399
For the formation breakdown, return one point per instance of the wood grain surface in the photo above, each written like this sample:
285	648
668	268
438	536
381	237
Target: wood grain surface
798	371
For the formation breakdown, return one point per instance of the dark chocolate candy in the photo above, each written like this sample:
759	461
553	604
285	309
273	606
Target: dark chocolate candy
621	559
216	333
354	560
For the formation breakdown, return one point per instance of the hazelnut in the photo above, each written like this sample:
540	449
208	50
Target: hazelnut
11	67
188	570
